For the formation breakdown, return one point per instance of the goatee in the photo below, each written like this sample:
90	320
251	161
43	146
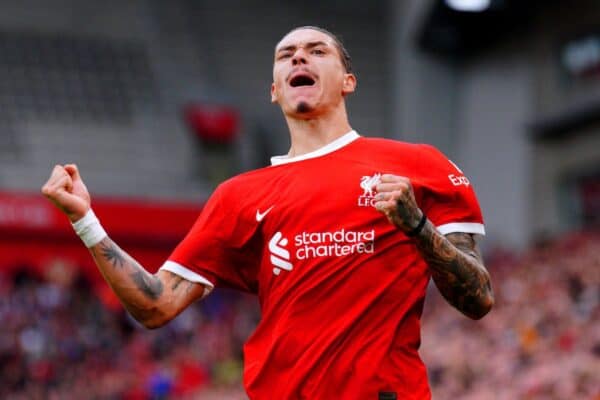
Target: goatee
302	107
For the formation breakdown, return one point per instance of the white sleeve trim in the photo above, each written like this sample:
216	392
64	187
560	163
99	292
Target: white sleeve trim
188	275
464	227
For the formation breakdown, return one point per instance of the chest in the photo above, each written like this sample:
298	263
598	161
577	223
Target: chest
317	197
322	194
319	219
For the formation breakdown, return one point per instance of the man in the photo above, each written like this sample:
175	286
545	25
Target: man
338	239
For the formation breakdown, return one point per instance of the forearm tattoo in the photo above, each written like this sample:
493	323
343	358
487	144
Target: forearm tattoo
142	294
148	284
128	279
112	253
457	270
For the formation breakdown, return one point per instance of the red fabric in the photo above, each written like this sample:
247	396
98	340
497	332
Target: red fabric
344	320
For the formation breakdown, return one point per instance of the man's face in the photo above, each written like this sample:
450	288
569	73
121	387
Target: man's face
308	76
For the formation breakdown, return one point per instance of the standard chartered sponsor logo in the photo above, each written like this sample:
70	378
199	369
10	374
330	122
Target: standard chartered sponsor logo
339	243
279	255
319	244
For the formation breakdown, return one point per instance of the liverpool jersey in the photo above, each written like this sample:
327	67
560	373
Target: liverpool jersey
341	290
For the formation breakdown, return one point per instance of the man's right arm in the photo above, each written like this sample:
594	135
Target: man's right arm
152	299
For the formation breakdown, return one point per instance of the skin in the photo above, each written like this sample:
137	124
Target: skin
454	260
324	118
152	299
316	115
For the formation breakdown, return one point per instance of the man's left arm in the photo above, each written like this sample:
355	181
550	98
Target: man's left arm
454	260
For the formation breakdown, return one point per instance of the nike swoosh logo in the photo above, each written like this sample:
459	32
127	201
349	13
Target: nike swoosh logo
260	216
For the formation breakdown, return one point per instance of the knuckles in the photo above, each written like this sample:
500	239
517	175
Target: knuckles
50	188
389	178
392	182
392	188
48	191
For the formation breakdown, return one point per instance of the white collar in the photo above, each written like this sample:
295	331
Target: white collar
328	148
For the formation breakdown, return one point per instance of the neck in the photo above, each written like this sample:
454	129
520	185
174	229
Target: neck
311	134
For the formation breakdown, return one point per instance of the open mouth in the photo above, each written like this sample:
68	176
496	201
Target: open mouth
302	80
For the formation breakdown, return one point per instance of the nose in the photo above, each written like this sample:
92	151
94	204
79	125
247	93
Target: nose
299	57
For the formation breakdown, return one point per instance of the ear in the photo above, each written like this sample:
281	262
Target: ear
273	93
349	84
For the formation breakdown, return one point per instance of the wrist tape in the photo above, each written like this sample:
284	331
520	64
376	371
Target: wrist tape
89	229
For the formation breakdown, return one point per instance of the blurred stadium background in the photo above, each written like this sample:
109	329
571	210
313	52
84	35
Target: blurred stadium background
158	101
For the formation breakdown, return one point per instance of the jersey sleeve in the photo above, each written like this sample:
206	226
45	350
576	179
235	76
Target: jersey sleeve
447	196
218	251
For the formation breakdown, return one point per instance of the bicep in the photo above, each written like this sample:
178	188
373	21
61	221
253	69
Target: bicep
179	292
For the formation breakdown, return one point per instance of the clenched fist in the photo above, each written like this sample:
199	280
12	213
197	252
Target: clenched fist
67	191
396	200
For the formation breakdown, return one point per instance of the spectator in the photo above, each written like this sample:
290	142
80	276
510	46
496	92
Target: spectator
542	341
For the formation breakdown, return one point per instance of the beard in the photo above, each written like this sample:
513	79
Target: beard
303	107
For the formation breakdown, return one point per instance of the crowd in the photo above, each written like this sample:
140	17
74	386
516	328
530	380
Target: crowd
60	338
541	340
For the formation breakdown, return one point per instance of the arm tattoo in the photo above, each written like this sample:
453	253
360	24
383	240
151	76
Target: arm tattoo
152	299
457	270
148	284
112	253
178	280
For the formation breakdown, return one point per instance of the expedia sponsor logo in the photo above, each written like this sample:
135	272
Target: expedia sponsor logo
459	180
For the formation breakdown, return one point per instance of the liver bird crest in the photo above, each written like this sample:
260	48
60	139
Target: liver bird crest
368	182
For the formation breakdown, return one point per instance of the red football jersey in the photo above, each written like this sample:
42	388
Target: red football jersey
341	289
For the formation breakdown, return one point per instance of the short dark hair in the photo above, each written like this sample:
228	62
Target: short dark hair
344	55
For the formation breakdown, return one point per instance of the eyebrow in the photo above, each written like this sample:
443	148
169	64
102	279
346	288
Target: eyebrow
308	45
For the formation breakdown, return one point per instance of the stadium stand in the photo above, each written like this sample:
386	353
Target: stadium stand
541	341
64	338
104	84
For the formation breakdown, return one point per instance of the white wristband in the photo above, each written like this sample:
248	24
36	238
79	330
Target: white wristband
89	229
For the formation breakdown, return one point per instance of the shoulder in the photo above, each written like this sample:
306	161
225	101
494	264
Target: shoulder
418	151
381	142
246	182
396	144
